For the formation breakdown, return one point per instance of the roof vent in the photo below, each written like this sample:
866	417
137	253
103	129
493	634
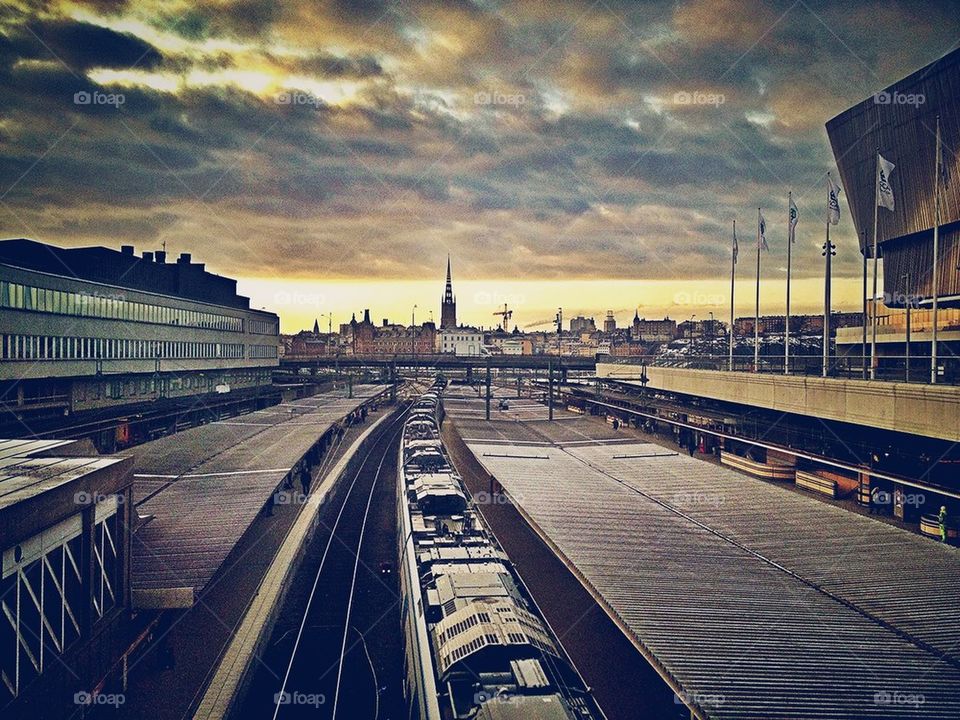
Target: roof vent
161	256
126	249
148	256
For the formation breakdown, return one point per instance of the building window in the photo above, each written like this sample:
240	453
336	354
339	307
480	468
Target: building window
21	297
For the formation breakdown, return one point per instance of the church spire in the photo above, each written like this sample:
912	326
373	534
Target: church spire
448	306
448	292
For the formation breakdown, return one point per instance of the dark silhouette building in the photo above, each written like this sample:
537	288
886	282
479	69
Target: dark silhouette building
448	306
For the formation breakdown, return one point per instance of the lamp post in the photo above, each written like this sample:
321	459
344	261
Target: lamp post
829	251
329	317
909	303
413	340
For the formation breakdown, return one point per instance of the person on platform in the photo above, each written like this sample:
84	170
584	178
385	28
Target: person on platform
943	523
305	481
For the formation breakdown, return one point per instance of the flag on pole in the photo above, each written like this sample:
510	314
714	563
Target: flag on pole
794	217
833	201
944	178
736	245
763	233
884	190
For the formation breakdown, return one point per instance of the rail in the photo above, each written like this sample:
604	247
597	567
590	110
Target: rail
890	368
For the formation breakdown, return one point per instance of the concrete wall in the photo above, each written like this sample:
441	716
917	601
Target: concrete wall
928	410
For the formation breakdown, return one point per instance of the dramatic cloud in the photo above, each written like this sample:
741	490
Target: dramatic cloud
360	139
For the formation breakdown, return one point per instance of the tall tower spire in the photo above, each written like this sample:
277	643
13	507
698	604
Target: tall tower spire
448	292
448	305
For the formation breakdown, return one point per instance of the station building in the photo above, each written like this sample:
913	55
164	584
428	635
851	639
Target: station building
65	583
901	122
91	331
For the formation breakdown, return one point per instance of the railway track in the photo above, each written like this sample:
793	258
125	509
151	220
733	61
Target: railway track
336	649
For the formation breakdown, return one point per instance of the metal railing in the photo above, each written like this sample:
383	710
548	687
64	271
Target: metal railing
890	368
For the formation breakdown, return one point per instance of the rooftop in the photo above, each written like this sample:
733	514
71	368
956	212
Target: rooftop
42	481
122	268
810	610
204	486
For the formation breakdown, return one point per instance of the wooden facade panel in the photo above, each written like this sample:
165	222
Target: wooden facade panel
904	131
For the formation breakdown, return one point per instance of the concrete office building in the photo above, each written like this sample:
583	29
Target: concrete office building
89	330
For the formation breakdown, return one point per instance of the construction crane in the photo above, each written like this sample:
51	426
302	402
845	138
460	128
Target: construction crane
507	314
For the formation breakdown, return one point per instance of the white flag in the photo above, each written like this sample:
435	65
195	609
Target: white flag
884	191
833	201
763	233
794	217
736	245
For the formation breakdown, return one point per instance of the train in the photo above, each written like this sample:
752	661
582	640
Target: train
476	644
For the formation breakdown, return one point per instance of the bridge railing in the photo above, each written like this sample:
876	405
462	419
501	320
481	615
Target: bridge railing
890	368
441	359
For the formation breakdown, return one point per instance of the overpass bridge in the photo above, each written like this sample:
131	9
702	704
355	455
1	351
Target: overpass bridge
438	361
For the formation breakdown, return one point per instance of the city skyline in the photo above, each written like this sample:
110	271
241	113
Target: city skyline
534	304
362	142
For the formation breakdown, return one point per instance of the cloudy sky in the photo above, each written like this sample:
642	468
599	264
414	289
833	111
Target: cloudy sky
586	154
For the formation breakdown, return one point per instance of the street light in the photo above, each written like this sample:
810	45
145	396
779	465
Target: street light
909	303
413	339
329	317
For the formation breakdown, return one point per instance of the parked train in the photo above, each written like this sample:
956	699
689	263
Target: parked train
476	645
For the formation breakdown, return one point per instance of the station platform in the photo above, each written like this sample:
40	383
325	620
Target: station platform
751	600
197	492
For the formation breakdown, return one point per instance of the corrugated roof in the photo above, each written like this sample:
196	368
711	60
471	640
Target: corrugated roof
757	601
742	637
204	486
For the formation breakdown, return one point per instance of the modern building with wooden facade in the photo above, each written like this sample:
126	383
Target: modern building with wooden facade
900	122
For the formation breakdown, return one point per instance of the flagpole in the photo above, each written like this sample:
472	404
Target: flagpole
786	336
756	318
863	350
873	318
828	254
733	273
936	252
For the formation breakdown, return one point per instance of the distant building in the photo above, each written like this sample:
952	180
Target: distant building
93	330
448	305
365	338
609	323
498	341
707	328
580	325
463	341
653	330
517	346
311	344
799	324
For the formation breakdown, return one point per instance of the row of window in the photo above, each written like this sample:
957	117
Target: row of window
263	351
151	386
110	307
37	347
262	327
